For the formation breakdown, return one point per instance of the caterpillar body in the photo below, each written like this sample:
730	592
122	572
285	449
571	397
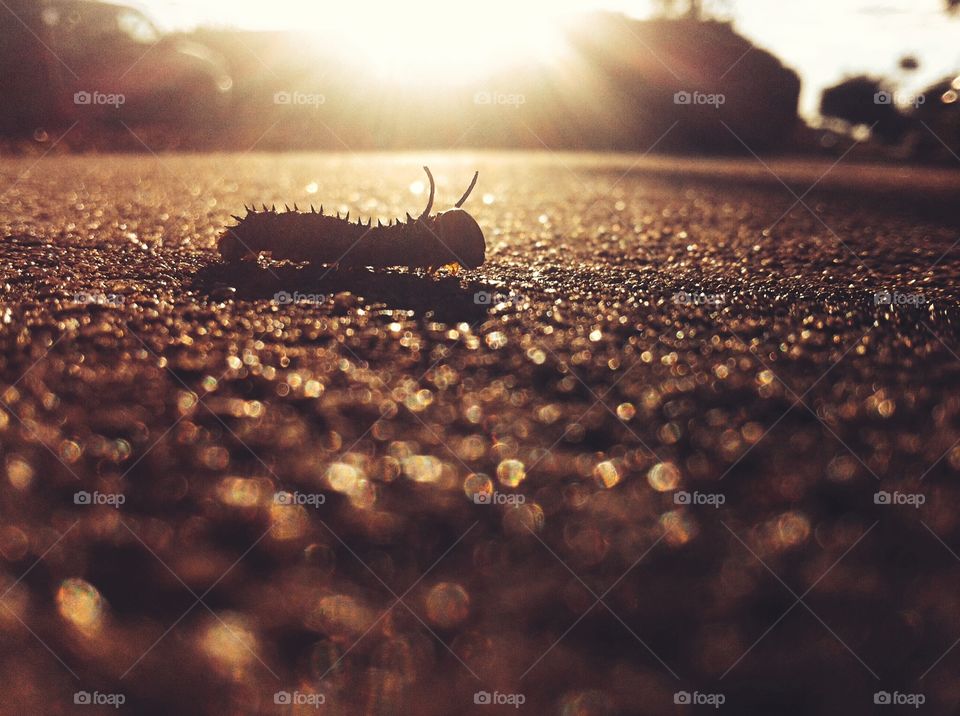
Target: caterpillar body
450	238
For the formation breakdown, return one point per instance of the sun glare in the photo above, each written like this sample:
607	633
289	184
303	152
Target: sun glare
431	41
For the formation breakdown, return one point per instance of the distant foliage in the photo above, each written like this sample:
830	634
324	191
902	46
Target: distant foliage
864	100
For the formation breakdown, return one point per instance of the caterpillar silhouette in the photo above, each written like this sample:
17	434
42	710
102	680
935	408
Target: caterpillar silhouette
450	238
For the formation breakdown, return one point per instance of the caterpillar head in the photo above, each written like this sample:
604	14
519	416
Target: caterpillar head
457	230
462	235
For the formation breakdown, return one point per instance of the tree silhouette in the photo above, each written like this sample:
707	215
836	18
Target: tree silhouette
867	101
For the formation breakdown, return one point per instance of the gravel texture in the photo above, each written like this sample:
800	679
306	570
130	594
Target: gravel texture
673	387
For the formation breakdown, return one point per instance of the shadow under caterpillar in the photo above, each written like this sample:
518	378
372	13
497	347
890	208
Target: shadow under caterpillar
450	238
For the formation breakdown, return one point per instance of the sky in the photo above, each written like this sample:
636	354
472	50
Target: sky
823	40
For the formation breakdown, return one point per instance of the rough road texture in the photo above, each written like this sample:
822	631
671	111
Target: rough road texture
653	338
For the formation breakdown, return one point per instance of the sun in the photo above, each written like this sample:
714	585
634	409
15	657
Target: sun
403	42
431	42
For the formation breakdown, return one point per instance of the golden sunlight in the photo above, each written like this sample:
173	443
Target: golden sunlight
431	41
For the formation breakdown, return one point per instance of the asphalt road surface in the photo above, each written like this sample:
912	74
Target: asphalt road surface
690	434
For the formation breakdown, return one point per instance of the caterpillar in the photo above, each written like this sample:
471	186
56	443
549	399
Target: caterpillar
450	238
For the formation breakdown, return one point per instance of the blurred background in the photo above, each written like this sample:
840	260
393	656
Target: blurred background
879	77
